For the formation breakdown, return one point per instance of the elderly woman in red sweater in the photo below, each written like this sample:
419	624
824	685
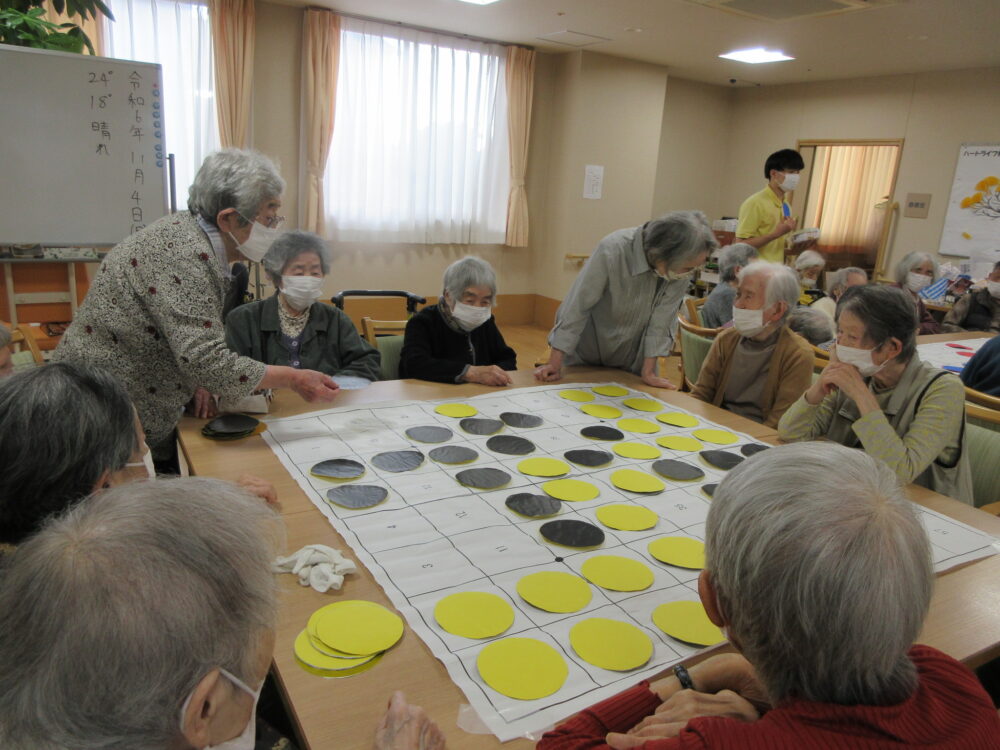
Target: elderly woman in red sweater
822	587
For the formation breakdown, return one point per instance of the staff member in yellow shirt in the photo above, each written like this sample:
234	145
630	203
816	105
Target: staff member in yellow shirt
765	218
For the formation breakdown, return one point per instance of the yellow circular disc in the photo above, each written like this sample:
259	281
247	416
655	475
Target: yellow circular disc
687	621
681	551
636	450
643	426
543	467
522	668
358	627
457	410
307	653
627	517
679	443
601	411
365	664
677	419
610	644
572	490
555	591
631	480
610	390
643	404
575	395
720	437
617	573
474	614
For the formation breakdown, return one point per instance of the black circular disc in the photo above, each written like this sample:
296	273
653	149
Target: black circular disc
357	496
709	489
338	468
752	449
483	479
588	457
516	419
512	445
570	533
225	435
397	461
670	468
533	506
230	423
453	454
602	432
429	433
721	459
480	426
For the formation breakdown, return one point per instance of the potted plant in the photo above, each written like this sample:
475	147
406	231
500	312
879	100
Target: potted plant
23	24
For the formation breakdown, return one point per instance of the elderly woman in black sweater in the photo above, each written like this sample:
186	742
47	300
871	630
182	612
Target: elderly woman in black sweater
457	340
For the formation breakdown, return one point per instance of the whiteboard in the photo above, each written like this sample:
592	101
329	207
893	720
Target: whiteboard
81	148
972	223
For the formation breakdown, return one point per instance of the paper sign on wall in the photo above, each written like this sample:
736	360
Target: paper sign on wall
593	181
972	223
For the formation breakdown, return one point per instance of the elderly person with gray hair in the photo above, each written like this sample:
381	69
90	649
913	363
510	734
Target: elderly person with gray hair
161	597
293	328
622	309
916	271
808	266
812	325
822	587
759	367
718	307
153	315
6	362
878	395
457	340
836	284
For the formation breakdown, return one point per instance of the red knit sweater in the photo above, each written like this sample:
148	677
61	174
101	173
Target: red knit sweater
949	711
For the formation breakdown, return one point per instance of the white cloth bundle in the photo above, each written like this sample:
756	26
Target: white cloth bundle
318	566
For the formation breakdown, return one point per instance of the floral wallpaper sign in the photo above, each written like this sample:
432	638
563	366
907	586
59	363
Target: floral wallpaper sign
972	223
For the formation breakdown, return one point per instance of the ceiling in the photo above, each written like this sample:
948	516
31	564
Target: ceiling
884	37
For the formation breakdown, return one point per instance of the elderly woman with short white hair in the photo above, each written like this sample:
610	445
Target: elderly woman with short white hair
837	283
914	272
457	340
293	328
153	315
718	308
818	570
808	266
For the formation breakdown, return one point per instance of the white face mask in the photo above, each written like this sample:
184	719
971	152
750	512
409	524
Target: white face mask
916	281
789	182
147	461
470	317
258	243
748	322
301	291
808	283
994	289
860	358
248	737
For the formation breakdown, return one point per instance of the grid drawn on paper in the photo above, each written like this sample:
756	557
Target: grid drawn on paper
433	537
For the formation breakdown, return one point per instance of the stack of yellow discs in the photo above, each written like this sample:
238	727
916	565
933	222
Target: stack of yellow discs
347	638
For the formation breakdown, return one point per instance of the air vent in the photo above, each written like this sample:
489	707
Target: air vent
574	38
788	10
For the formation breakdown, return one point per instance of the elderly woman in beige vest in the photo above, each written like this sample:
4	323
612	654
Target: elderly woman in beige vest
878	395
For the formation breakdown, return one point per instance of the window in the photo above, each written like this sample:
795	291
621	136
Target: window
176	35
419	150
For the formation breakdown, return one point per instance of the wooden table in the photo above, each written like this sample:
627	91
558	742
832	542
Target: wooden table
964	618
937	338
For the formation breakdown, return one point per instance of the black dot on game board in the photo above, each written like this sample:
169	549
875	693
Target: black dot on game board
680	470
483	479
357	496
429	434
589	458
533	506
338	468
559	559
232	423
571	533
752	449
479	426
397	461
721	459
453	454
512	445
709	489
602	432
516	419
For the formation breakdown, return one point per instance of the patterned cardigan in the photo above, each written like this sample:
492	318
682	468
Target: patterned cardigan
153	318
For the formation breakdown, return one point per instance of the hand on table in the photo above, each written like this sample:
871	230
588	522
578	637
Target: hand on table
548	373
487	375
314	386
674	714
657	382
406	727
202	404
261	488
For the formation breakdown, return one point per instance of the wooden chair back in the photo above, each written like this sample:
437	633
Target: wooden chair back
21	338
372	329
693	307
695	341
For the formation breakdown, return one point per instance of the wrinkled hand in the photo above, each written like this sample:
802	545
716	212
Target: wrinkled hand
548	373
657	382
261	488
487	375
314	386
406	727
674	714
202	404
845	377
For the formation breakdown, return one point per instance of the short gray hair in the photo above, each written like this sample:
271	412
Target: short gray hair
732	257
782	284
288	247
811	324
809	259
824	583
910	261
837	281
143	589
886	312
62	427
466	272
234	178
677	237
5	336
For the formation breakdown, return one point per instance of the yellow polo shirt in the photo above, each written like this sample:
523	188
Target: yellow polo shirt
760	214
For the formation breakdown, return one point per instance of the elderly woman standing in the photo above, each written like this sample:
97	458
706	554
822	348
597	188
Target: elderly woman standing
718	308
876	394
457	340
914	272
837	283
293	328
153	315
621	310
808	266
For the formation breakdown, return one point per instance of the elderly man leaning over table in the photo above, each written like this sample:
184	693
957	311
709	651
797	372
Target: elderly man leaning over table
818	569
759	367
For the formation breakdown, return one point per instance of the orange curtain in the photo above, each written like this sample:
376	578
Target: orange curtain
320	61
233	25
94	28
520	75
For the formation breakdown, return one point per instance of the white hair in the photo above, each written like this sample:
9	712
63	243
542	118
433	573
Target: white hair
288	247
112	613
910	261
811	324
734	256
822	571
782	284
837	281
234	178
466	272
809	259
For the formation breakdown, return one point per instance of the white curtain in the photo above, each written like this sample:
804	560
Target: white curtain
419	150
176	35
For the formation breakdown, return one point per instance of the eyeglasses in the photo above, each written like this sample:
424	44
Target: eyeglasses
271	222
